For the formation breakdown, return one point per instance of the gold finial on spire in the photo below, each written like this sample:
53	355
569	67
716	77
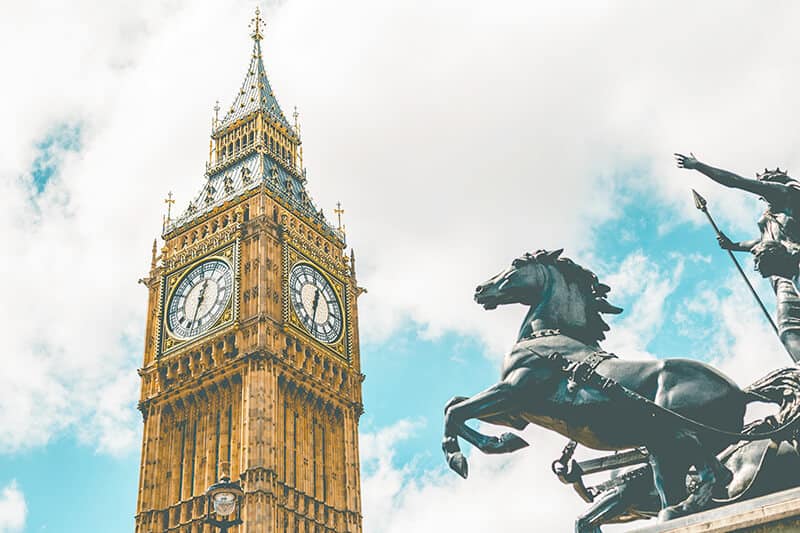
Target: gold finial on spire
169	201
296	116
216	112
339	212
155	250
257	23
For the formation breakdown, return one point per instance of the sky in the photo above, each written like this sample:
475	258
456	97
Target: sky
457	136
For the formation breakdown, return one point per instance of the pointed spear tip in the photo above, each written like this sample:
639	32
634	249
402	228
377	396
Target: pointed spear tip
699	201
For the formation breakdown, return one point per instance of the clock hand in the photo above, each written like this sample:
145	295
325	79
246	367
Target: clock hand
316	304
200	300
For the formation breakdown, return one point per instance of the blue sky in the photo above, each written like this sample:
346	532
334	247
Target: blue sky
456	135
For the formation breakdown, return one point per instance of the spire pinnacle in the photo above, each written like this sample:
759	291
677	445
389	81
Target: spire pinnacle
167	220
339	212
169	201
257	23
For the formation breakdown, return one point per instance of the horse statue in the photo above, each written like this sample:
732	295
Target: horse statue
683	412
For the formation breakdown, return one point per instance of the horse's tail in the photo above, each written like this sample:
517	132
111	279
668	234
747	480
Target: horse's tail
781	387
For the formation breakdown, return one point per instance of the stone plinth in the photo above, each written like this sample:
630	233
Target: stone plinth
779	512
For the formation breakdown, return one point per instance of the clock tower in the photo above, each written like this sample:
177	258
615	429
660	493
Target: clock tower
251	359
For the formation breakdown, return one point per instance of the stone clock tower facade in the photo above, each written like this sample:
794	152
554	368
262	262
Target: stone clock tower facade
251	360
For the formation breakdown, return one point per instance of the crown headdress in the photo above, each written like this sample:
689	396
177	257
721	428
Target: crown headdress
777	174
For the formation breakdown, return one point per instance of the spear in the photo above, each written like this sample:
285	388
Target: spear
701	204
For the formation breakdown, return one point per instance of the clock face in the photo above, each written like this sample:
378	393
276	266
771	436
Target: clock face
200	299
315	303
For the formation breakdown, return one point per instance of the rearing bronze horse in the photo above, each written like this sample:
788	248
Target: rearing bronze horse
683	411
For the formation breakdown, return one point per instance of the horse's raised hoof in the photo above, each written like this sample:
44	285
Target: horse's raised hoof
582	526
512	442
458	463
506	443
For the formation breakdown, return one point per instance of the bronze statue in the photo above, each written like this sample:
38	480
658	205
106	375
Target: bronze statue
556	376
777	250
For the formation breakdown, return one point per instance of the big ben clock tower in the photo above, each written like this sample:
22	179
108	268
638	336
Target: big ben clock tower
251	361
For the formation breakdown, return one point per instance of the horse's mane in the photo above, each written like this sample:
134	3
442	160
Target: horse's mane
594	291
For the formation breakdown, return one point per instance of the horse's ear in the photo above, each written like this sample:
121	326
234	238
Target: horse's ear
604	307
555	253
603	289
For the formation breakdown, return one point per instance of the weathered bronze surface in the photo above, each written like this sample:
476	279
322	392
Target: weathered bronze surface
556	376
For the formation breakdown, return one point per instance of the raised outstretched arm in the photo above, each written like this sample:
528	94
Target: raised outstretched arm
742	246
770	191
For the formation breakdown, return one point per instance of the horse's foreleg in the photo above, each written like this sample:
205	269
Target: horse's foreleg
496	400
452	452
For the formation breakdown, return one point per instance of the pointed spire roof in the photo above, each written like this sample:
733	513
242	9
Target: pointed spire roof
256	92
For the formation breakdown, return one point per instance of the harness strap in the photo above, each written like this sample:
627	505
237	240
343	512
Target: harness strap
584	373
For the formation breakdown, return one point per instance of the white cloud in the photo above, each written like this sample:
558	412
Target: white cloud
13	509
502	493
74	315
649	285
745	346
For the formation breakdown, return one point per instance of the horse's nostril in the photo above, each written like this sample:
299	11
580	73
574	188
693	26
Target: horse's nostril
478	289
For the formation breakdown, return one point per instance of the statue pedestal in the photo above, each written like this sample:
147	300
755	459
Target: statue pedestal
779	512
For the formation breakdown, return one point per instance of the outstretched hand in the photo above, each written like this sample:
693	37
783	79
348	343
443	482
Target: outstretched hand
686	161
724	242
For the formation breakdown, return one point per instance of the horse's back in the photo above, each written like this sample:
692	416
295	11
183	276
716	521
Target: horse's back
689	387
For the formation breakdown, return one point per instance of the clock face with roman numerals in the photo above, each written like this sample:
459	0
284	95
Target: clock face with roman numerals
200	299
315	303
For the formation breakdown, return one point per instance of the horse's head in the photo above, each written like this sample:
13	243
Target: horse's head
521	283
561	294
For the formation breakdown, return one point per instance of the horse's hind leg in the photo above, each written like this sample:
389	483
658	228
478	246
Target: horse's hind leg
635	492
669	476
611	505
496	400
688	450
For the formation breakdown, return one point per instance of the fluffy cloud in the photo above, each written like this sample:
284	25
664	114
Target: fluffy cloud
106	119
503	493
498	129
741	341
647	285
13	509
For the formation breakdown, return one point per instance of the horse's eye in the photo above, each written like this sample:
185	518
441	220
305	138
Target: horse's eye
517	263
